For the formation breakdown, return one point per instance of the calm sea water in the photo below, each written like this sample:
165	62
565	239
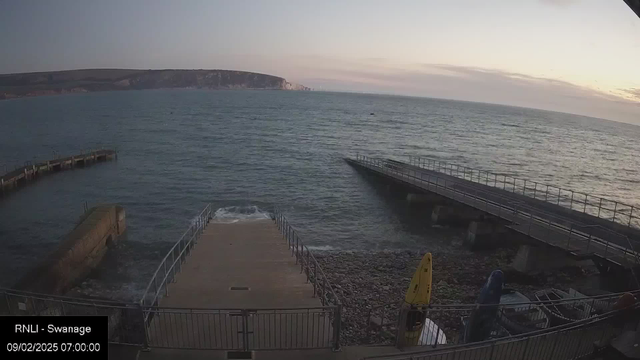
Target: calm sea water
181	149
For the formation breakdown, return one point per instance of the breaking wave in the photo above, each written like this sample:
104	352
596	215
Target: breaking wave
233	214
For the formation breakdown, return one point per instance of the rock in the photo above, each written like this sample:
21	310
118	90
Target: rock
365	281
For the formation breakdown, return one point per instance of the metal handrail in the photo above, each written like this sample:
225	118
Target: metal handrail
179	309
603	297
508	339
542	218
174	261
459	186
574	223
605	301
619	208
313	271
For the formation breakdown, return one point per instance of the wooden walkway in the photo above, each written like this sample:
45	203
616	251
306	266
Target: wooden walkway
29	171
526	216
262	301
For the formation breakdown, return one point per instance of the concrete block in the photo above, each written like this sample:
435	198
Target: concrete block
450	215
121	220
79	253
425	198
485	235
532	259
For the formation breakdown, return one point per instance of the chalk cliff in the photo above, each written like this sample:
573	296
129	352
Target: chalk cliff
75	81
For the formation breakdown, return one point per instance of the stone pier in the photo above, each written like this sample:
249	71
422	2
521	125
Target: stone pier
485	235
455	215
426	198
534	259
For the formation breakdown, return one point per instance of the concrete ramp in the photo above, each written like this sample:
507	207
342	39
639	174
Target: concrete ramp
241	288
240	265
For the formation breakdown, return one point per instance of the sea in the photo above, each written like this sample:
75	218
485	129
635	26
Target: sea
245	151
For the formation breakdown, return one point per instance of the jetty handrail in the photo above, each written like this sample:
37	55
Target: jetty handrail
308	263
621	213
493	345
172	261
313	271
41	160
506	207
603	297
391	312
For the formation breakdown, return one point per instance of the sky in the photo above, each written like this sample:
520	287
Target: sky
576	56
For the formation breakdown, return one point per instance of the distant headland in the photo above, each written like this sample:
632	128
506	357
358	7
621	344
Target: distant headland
89	80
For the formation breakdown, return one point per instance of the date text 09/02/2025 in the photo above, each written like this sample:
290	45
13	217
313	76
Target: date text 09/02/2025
42	336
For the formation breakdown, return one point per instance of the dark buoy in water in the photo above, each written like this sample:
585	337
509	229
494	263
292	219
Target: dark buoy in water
372	114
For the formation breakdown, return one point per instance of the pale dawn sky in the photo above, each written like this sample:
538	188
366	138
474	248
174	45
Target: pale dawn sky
577	56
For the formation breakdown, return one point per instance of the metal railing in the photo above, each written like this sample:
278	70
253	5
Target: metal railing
313	271
172	262
148	325
242	329
600	207
550	228
126	320
450	324
571	341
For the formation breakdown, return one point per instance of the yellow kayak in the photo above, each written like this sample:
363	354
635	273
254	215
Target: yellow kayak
417	297
419	292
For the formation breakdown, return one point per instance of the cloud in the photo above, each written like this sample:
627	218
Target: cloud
559	3
634	93
471	84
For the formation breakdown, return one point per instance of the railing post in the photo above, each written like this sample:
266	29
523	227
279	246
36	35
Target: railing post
315	277
308	265
524	189
584	209
166	286
571	204
145	335
336	326
324	290
535	189
630	216
493	346
553	348
558	197
546	194
599	207
526	346
615	209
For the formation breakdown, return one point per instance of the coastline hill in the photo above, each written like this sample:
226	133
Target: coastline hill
89	80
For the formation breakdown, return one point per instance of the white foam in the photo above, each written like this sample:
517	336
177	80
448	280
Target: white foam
233	214
321	248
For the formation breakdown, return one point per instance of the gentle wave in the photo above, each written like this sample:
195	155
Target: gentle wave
321	248
233	214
